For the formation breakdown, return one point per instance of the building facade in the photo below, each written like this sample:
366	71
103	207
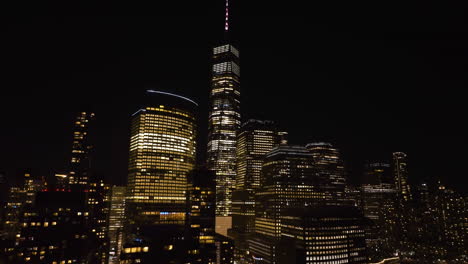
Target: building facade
330	171
162	153
80	157
400	174
255	139
223	124
379	206
324	234
201	206
115	223
288	181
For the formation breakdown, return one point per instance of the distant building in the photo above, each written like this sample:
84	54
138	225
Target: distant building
80	157
379	206
116	222
14	205
32	184
400	172
403	202
325	234
330	171
451	218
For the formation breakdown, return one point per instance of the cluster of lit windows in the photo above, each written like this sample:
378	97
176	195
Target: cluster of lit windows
135	250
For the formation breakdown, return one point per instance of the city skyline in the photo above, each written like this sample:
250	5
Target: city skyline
139	145
365	124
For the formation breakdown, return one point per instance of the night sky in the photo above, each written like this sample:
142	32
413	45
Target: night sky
370	78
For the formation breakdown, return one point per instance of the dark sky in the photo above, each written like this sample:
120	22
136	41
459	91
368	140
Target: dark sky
370	78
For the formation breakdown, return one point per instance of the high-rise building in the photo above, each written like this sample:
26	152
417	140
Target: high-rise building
223	124
162	153
201	206
403	197
324	234
14	205
32	184
255	139
330	171
115	223
400	173
80	162
289	180
378	205
451	220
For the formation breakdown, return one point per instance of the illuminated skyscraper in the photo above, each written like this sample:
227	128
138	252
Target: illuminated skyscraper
256	138
451	219
162	153
116	222
223	124
378	205
330	171
289	180
400	173
80	162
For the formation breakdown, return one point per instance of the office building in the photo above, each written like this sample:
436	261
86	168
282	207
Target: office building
325	234
400	173
115	223
14	205
330	171
80	162
162	153
378	205
223	124
256	138
289	180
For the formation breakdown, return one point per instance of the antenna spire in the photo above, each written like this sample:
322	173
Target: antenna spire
226	21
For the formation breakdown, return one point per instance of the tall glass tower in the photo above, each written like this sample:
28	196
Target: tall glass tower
223	123
162	153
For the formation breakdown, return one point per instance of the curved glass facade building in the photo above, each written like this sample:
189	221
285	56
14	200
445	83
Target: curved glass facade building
162	153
